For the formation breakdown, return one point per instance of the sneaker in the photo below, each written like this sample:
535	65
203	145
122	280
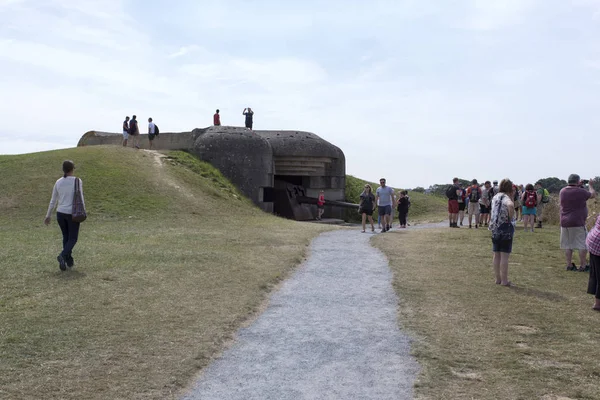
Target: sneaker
572	267
70	262
461	224
584	269
476	226
470	226
61	263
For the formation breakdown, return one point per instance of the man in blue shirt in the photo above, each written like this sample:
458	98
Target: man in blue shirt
385	200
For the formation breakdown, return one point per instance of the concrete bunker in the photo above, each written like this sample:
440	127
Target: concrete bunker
280	171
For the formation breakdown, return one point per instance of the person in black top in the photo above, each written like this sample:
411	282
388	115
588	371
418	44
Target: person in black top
125	131
249	115
403	205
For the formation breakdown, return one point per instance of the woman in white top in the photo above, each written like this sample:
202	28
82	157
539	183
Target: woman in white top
502	227
62	199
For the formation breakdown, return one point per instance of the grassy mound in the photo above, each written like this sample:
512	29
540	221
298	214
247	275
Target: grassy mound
424	208
170	262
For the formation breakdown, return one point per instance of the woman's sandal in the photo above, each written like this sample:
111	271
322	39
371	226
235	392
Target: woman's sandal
508	284
362	231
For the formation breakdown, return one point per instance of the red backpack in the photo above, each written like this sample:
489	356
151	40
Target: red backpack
530	199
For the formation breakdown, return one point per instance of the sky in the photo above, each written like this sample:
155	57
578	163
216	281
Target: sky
417	91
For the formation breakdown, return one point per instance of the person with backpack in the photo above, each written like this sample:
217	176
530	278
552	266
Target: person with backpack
503	230
517	201
403	206
474	195
452	193
545	199
63	196
530	199
461	204
484	203
135	132
152	131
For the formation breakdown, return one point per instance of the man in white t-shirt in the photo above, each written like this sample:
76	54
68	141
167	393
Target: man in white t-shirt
151	131
385	200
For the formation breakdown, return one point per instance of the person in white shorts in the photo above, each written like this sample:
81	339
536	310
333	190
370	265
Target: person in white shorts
573	214
125	131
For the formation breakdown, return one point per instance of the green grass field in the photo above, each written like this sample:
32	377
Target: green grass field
478	340
170	263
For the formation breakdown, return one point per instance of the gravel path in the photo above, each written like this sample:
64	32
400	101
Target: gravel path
330	332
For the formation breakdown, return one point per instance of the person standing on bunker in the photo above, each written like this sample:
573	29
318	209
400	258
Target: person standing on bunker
62	199
321	204
125	131
151	132
135	132
366	207
217	119
249	117
385	200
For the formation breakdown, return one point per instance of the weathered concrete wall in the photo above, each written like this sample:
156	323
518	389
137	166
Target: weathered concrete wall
253	160
245	158
165	141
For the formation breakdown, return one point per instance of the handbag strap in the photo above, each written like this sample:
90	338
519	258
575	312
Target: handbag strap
499	209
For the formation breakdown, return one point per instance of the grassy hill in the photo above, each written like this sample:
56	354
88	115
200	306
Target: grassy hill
424	208
171	261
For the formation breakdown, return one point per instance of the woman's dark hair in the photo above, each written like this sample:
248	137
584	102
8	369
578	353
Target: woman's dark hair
506	186
529	187
68	166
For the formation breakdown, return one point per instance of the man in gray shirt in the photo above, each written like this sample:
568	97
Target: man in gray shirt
385	200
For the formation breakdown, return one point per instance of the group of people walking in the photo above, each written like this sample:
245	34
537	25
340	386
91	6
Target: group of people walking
383	200
505	201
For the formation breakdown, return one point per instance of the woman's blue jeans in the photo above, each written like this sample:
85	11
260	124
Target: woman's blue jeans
70	232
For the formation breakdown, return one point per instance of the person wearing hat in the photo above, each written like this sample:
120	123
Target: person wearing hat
573	214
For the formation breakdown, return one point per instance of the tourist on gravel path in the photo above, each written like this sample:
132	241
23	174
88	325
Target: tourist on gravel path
366	206
461	204
593	245
474	195
249	117
151	132
452	193
385	200
530	200
62	199
544	197
125	131
320	204
503	229
217	119
573	214
135	132
403	206
484	204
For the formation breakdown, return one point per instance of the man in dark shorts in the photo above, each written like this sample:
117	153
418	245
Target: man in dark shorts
151	131
134	131
453	193
384	196
249	117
